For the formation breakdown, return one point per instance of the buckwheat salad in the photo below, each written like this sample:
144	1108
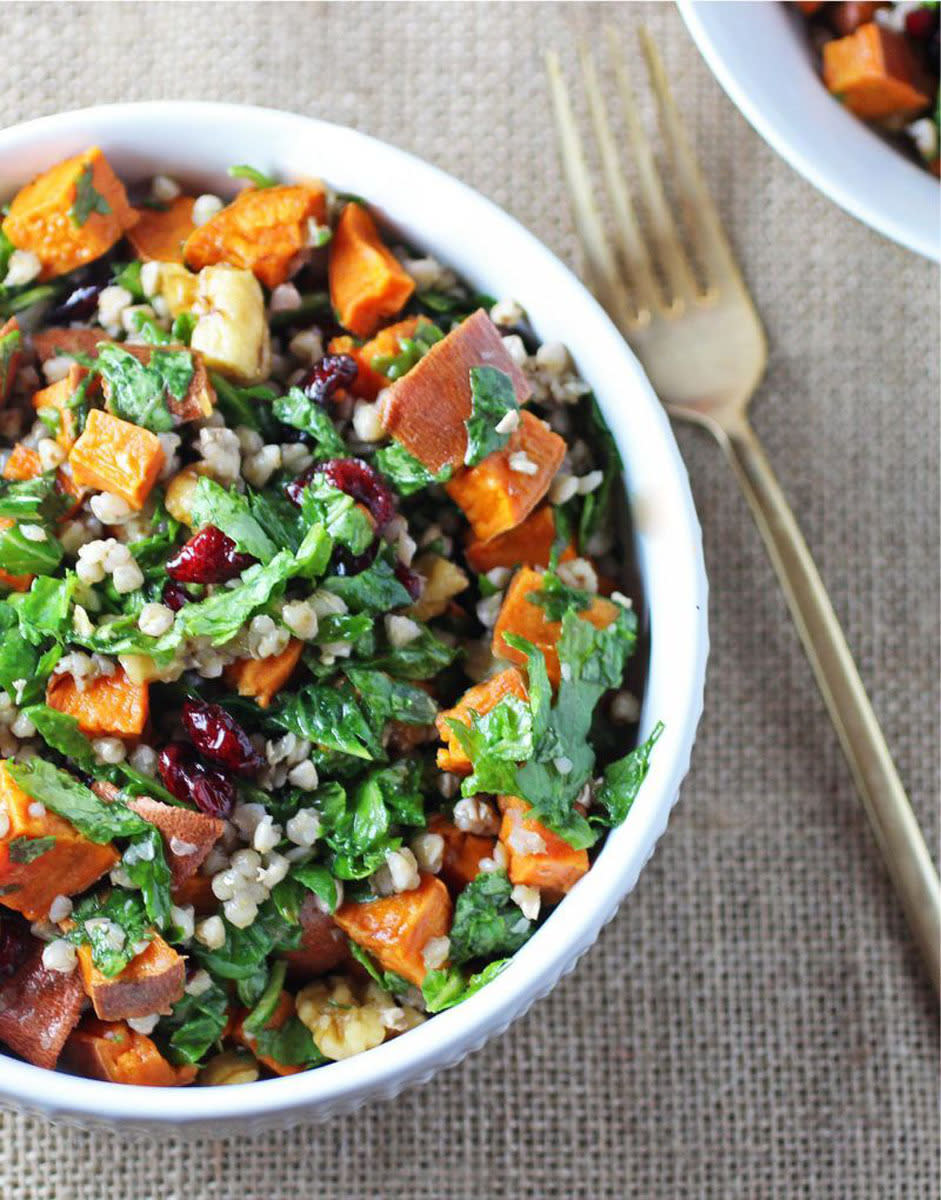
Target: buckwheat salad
312	648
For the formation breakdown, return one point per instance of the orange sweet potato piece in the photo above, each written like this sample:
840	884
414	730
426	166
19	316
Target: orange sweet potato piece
809	7
528	543
151	982
11	355
159	234
39	1008
283	1012
115	456
369	383
110	705
66	343
16	583
367	282
426	409
521	616
875	73
112	1051
57	396
263	230
480	698
462	852
395	929
554	870
23	463
68	867
46	216
847	17
262	678
196	890
323	945
493	496
188	835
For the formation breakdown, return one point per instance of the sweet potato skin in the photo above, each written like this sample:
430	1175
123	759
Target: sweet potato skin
367	282
875	73
151	982
263	230
66	868
395	929
528	543
66	343
116	456
39	218
11	355
521	616
112	1051
555	870
462	852
323	946
159	235
426	409
39	1008
263	678
110	705
480	698
197	891
180	825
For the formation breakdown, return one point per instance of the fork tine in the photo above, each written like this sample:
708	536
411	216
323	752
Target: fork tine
602	270
712	245
676	268
627	231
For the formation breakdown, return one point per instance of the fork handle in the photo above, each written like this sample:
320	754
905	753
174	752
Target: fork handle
883	796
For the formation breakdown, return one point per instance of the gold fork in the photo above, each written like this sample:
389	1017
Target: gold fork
704	351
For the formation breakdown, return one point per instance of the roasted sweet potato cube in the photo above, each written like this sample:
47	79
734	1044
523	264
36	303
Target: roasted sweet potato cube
462	852
112	1051
875	73
263	678
159	234
70	864
846	18
496	494
188	835
554	869
197	891
396	929
151	982
387	343
283	1012
57	396
263	230
426	409
11	355
71	214
115	456
481	698
529	543
109	706
15	583
200	397
323	945
67	343
521	616
367	282
39	1008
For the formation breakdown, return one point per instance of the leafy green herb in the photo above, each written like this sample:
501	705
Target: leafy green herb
263	1010
486	921
60	731
622	780
302	413
245	950
330	717
421	658
20	555
181	330
37	500
19	658
596	510
26	849
405	471
20	300
46	609
137	391
386	699
556	599
257	178
317	879
113	925
10	344
145	862
292	1045
443	989
88	199
388	980
375	590
195	1025
128	277
223	614
229	511
94	818
344	520
312	304
278	517
492	398
411	350
243	406
440	302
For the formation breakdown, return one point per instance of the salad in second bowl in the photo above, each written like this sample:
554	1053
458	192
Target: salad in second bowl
313	649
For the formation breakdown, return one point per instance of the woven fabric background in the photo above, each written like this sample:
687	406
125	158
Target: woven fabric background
754	1023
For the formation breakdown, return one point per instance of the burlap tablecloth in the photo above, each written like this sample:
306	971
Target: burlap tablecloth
754	1023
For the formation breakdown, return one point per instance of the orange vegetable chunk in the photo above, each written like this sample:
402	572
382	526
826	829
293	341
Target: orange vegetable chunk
367	282
23	463
16	583
112	1051
555	869
462	852
494	496
188	835
322	946
426	409
11	355
110	705
159	234
151	982
263	230
70	865
39	1008
66	343
57	396
528	543
46	216
196	890
396	929
875	73
263	678
521	616
283	1012
369	383
115	456
848	16
481	698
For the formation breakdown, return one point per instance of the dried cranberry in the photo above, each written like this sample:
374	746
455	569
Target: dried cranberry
295	489
208	557
344	563
14	944
325	377
217	735
920	22
409	579
359	480
79	305
174	595
190	780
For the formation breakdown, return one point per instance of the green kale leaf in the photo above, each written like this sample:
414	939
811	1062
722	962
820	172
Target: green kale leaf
493	397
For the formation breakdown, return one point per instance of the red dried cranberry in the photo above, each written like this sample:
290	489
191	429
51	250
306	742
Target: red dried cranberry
295	489
217	735
208	557
409	579
343	562
325	377
174	595
14	944
192	781
920	22
359	480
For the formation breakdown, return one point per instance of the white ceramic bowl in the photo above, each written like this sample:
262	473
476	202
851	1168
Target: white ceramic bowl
197	142
760	54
